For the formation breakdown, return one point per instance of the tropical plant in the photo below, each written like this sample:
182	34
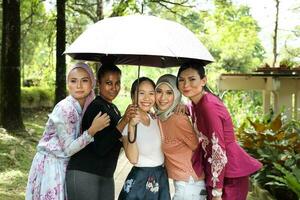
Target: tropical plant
290	179
276	142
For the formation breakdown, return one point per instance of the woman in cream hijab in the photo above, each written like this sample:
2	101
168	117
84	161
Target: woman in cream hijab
178	143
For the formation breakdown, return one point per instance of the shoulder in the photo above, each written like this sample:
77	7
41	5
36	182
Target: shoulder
213	107
177	118
64	106
98	101
64	111
179	121
211	102
96	104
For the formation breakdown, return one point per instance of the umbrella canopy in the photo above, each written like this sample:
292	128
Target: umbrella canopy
139	40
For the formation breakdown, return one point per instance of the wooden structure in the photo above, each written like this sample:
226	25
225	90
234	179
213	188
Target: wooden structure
280	88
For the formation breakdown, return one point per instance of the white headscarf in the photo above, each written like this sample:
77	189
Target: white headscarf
169	80
91	96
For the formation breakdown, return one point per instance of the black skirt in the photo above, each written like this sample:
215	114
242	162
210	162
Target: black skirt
146	183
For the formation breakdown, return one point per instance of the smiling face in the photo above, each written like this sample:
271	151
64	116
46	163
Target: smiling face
146	96
79	84
164	97
110	85
190	84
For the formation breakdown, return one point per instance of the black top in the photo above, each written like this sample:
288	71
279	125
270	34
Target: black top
99	157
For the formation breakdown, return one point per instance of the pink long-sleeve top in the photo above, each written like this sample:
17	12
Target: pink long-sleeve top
221	154
178	143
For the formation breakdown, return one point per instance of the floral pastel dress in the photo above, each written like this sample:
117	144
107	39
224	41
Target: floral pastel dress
60	141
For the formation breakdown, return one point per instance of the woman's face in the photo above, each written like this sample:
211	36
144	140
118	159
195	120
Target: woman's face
190	84
110	85
146	96
164	97
79	84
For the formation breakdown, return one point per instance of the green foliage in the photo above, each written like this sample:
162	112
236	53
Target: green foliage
229	32
258	193
242	104
288	62
33	97
232	36
121	8
32	23
37	42
289	179
276	142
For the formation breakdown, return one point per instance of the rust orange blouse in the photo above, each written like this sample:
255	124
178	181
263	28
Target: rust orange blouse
178	143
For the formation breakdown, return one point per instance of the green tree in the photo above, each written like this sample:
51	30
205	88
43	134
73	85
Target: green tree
232	36
34	34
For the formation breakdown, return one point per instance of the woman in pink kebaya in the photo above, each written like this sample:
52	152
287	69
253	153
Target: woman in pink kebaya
227	166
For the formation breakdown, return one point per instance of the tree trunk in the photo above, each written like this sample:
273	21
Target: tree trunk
275	35
60	84
100	10
10	91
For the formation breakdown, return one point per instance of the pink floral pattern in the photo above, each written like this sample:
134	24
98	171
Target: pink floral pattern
217	160
60	140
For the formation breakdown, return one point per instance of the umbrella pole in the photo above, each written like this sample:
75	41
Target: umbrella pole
136	102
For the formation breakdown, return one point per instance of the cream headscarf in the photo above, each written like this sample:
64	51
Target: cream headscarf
169	80
91	96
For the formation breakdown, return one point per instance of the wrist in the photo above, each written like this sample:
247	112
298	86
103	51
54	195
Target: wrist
91	131
131	125
217	192
125	119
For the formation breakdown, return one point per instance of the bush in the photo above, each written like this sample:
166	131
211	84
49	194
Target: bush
277	144
36	97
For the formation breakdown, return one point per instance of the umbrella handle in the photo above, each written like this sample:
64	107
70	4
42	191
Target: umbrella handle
134	137
137	97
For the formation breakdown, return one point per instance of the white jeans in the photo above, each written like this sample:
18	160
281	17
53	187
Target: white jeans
191	190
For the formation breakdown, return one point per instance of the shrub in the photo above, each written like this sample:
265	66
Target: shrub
277	145
34	97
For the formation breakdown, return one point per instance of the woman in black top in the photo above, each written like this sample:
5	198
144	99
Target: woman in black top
90	171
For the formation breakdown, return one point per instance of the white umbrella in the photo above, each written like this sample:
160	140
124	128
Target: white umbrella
139	40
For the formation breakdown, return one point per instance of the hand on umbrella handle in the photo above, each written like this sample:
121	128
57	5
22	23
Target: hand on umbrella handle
133	122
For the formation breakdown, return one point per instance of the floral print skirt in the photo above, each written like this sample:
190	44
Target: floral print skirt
46	180
146	183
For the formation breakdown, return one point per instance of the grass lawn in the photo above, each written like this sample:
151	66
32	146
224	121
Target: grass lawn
16	153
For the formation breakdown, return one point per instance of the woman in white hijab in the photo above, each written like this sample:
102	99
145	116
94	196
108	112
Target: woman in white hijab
178	143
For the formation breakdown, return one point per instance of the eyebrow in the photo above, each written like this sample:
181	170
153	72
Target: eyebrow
192	76
146	91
